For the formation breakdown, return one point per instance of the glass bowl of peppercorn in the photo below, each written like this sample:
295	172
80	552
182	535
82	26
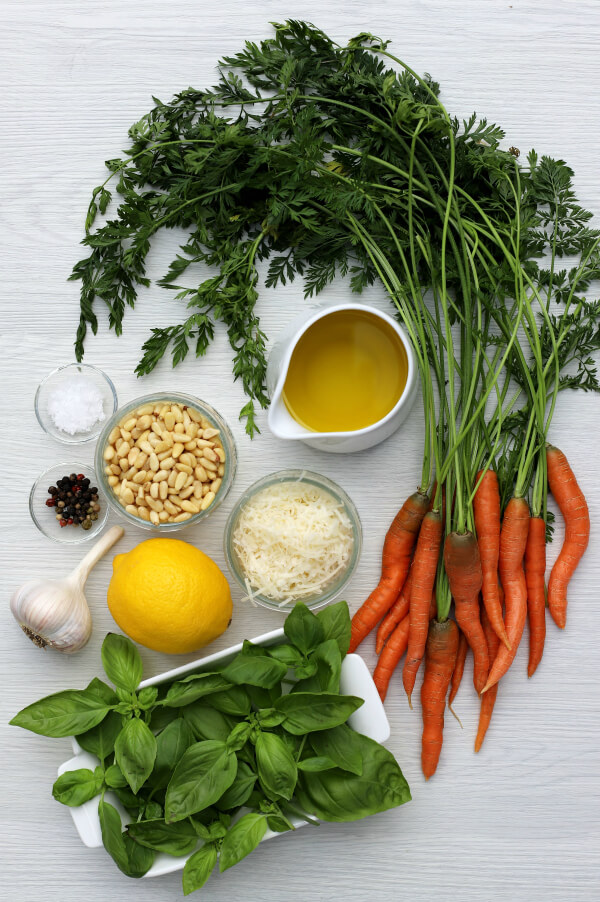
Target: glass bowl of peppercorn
66	503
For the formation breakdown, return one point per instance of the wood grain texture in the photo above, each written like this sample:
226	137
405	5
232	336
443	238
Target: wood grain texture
520	820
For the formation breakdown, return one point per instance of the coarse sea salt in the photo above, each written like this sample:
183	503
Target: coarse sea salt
76	405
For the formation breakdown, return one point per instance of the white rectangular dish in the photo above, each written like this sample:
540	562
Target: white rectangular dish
370	719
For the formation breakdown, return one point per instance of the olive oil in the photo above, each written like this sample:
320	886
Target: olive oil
347	371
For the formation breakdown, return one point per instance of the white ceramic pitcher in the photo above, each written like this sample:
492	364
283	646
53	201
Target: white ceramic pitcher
281	422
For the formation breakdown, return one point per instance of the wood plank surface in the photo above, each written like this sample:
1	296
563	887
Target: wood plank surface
520	821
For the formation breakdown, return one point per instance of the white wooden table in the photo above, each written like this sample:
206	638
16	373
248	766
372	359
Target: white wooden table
520	821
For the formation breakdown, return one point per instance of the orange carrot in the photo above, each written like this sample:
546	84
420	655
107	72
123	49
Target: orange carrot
486	510
513	541
424	569
459	667
393	651
440	658
397	547
488	699
535	571
573	507
463	566
395	615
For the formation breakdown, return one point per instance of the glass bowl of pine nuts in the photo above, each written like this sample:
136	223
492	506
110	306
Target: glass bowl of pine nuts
165	461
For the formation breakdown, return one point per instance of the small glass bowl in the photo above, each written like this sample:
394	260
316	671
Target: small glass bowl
61	376
211	415
334	588
45	517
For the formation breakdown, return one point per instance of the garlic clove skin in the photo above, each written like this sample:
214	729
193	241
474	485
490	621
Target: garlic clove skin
53	614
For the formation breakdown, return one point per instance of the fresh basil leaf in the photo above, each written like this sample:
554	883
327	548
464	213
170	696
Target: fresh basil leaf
162	717
135	752
170	746
263	698
278	824
100	740
198	868
336	623
305	669
131	858
337	795
239	736
206	722
126	696
139	858
211	831
277	769
75	787
147	697
269	717
102	690
252	650
174	839
308	711
240	790
153	811
184	692
255	670
316	765
122	662
234	701
242	839
128	799
203	774
326	678
67	713
114	778
343	745
287	654
303	629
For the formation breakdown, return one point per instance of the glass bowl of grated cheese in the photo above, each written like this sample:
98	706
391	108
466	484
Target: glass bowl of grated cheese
293	536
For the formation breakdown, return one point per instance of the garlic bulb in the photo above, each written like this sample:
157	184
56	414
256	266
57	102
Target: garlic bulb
54	613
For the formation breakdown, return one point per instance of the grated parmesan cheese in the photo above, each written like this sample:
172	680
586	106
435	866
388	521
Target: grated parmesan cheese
292	540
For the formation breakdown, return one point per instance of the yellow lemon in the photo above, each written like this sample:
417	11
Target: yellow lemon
169	596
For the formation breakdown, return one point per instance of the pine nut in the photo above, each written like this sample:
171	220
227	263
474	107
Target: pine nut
178	412
201	474
114	468
220	452
190	506
221	469
154	439
216	485
139	477
172	478
170	420
147	447
209	454
144	422
168	463
113	435
109	453
130	424
153	463
162	446
124	449
131	509
180	481
185	493
157	428
209	464
190	446
144	410
154	518
113	480
162	474
207	500
210	432
154	489
143	512
154	503
163	516
182	517
170	507
127	496
125	434
132	456
198	490
178	427
184	468
163	490
141	460
177	449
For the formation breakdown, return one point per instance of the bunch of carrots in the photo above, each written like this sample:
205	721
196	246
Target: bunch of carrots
501	564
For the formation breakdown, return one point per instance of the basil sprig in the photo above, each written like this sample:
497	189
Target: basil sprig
206	765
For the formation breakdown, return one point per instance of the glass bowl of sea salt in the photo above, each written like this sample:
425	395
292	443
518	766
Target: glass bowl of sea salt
73	403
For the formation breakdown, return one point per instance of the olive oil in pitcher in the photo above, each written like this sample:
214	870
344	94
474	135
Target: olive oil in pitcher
347	372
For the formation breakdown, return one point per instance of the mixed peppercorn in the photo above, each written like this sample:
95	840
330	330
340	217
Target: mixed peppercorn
75	500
